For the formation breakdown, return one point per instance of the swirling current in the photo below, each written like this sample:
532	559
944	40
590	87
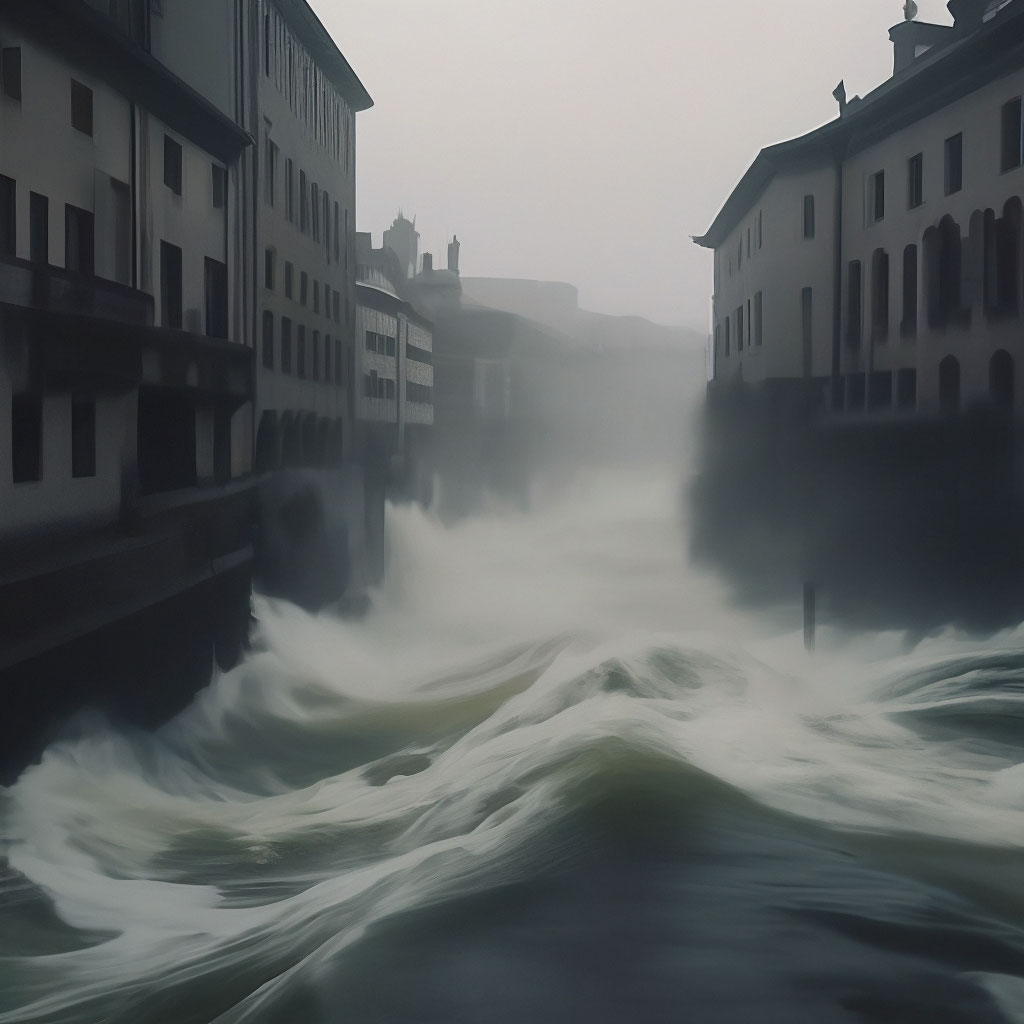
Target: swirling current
553	775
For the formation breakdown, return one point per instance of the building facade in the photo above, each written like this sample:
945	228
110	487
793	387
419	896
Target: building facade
877	260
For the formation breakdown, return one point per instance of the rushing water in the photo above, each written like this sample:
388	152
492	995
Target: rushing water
551	777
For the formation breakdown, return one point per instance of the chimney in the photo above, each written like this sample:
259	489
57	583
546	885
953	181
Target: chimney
428	263
968	14
913	39
453	254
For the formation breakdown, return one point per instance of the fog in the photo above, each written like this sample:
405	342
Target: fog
587	140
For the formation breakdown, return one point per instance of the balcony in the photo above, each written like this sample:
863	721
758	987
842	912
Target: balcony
54	290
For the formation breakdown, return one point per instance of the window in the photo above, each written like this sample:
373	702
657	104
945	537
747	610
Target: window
289	191
303	288
1013	138
220	187
906	389
316	296
314	204
389	388
879	295
83	436
338	368
954	164
878	196
303	203
327	226
26	438
419	393
315	355
390	346
371	341
300	350
880	390
853	309
337	236
270	177
216	282
172	165
739	329
268	339
337	308
10	71
39	228
748	243
8	216
286	345
81	107
908	326
289	275
327	357
808	216
949	385
807	330
266	45
79	247
726	335
758	318
760	228
268	269
915	181
170	284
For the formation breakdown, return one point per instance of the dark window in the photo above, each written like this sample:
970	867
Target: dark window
337	235
26	438
760	228
879	295
739	329
915	181
216	281
268	339
172	165
949	385
316	296
314	211
1013	138
327	226
808	216
83	436
337	308
338	367
727	332
315	355
419	393
807	329
327	357
303	287
289	274
10	71
748	243
81	107
300	350
220	187
286	345
758	318
909	324
389	388
880	390
1000	380
270	177
954	164
289	191
266	45
170	284
906	389
79	248
303	203
371	341
8	216
855	388
39	228
268	269
878	195
853	309
390	346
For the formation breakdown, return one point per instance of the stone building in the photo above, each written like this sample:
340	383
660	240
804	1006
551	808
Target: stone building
877	260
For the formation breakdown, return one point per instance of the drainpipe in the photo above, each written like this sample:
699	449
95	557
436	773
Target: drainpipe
837	282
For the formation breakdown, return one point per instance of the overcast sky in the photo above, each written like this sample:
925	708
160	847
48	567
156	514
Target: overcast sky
586	140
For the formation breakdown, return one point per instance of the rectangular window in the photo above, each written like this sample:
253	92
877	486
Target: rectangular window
807	330
758	318
906	390
39	228
855	389
908	326
172	165
727	335
314	209
289	191
220	187
170	284
739	329
286	345
880	390
10	71
337	308
880	295
1013	137
327	357
81	107
83	436
854	301
760	228
337	236
915	181
371	341
270	177
268	269
26	438
303	203
315	355
748	243
389	386
216	282
878	196
390	346
289	276
327	226
316	296
8	216
339	375
808	216
300	350
954	164
268	339
303	288
79	246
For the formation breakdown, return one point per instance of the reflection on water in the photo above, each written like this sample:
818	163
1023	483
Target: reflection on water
552	776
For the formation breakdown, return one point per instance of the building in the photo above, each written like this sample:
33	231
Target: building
876	262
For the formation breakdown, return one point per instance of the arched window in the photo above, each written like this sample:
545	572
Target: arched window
1000	381
908	326
879	295
949	385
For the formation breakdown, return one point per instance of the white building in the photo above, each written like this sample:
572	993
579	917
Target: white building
878	259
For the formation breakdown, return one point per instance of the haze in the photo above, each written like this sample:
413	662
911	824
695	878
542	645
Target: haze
584	140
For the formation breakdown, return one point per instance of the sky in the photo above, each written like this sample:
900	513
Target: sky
587	140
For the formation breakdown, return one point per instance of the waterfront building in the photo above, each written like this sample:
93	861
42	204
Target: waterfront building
876	261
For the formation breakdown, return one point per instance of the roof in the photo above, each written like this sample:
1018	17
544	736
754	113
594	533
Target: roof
933	81
310	30
372	296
